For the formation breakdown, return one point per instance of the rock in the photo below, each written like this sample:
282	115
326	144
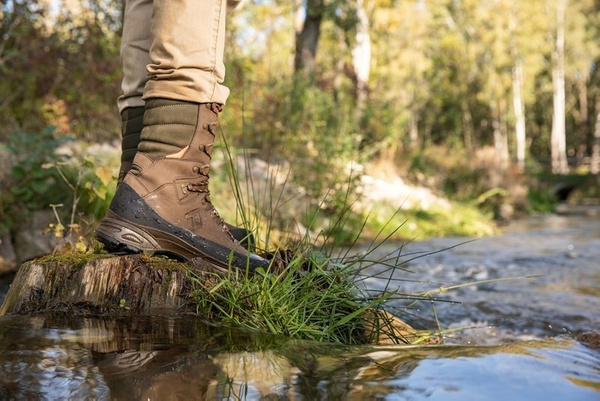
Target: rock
591	339
30	241
8	258
7	161
383	328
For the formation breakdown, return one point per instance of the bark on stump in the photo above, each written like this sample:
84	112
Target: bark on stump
110	285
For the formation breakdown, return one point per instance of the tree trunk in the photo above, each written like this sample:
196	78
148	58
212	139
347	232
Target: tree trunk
109	285
414	128
520	137
361	57
583	120
500	136
141	285
307	39
595	160
558	139
468	129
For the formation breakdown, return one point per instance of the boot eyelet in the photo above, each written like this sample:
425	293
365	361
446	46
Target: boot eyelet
196	169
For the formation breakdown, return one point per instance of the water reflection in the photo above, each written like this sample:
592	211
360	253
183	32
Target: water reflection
59	357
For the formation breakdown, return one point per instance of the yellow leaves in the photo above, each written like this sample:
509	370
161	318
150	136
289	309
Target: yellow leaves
105	174
57	229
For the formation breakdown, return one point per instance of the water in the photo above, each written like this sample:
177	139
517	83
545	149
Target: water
550	272
522	344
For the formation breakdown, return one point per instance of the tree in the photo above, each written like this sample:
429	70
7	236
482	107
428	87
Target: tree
361	57
307	39
558	143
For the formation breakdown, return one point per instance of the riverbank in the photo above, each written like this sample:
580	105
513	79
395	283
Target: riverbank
363	202
436	193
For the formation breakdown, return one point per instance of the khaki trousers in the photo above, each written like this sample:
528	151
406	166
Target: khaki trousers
174	49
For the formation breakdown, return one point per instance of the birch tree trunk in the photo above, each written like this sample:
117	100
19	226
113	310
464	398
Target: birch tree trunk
361	57
413	128
558	138
520	134
583	128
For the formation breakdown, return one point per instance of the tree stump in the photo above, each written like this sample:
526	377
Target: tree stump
139	285
105	285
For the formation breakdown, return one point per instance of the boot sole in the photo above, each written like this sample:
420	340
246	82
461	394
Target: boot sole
120	235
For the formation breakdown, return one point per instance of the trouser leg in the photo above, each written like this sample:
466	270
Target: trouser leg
186	54
135	52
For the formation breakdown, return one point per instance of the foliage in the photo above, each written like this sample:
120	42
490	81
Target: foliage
458	219
305	294
34	186
477	179
57	173
541	200
62	67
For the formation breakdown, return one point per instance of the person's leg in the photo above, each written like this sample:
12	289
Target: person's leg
187	51
163	204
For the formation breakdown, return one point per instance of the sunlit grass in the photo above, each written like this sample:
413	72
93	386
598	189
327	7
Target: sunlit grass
310	290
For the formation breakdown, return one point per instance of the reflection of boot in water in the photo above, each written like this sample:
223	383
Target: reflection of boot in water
156	375
189	384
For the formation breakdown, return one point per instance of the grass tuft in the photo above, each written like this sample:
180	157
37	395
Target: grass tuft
305	294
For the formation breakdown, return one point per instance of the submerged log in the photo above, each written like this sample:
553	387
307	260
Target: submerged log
107	285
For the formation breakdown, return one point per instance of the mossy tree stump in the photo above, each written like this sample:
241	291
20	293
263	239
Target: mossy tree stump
123	285
100	285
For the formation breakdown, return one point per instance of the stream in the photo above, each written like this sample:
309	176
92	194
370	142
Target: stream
512	331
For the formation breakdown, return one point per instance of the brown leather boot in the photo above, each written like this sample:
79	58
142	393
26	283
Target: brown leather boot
132	119
163	204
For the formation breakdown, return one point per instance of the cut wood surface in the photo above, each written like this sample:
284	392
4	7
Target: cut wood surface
107	285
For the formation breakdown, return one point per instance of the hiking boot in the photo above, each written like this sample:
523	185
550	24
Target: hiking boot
132	119
163	205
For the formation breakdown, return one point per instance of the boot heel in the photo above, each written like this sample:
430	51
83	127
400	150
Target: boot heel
118	236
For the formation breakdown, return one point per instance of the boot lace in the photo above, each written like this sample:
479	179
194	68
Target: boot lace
203	171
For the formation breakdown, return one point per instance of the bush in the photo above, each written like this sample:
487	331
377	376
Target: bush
56	172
